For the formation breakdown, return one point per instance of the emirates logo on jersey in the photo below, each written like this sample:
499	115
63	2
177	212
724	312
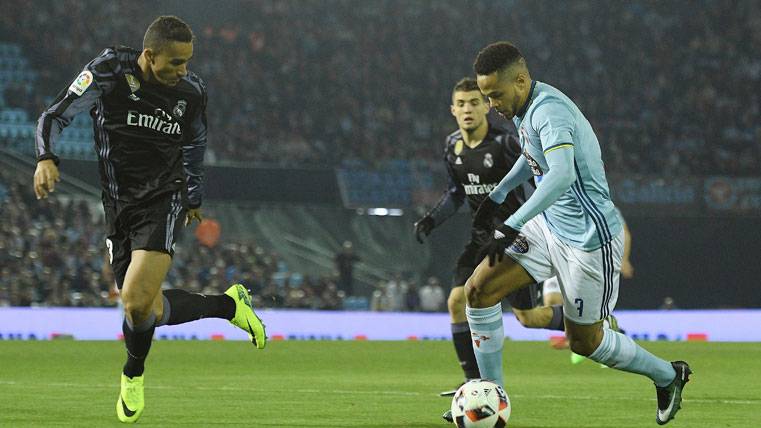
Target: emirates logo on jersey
479	189
160	121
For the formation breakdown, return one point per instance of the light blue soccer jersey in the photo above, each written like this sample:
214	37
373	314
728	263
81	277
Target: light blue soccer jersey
583	215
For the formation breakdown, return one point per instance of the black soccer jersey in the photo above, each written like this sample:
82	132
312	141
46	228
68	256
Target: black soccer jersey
474	172
150	138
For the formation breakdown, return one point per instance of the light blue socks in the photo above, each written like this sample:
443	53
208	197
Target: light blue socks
488	336
620	352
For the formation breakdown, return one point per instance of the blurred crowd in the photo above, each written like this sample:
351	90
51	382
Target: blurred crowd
672	88
52	253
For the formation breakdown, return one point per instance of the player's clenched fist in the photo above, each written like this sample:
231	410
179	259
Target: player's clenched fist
45	177
494	248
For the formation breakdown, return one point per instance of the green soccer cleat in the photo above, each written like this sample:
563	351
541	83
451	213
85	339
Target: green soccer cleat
245	318
576	358
131	402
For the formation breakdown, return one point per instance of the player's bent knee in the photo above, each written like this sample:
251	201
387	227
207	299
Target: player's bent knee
456	301
582	346
584	339
138	306
472	294
476	296
137	312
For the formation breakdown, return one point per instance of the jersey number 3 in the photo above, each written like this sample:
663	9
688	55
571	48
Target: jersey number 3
579	305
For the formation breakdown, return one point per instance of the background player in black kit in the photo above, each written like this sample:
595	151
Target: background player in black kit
149	117
477	157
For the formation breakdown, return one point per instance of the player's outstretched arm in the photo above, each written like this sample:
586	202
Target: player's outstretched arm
446	207
555	182
519	173
484	216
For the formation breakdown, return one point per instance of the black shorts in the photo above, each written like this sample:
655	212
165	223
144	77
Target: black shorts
525	298
466	264
153	225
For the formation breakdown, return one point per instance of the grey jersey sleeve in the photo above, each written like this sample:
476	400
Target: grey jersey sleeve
193	152
58	116
93	82
450	201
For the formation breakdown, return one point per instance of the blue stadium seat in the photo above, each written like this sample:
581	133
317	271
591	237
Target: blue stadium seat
356	303
13	115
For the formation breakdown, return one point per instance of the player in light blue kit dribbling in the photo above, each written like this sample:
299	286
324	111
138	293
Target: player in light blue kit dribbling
568	228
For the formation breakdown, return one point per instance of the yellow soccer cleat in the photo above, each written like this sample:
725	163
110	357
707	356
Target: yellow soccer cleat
131	402
245	318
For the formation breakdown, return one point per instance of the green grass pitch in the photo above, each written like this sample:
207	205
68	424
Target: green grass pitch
359	384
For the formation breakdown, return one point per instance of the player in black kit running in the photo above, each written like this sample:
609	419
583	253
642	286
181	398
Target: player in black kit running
149	118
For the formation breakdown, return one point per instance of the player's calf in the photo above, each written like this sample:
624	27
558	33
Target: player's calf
180	306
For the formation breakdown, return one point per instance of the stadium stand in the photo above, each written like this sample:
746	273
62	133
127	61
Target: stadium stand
681	98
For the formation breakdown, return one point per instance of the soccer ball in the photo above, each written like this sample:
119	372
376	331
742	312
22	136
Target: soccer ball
480	404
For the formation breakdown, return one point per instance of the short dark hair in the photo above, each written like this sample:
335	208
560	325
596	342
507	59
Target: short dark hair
166	29
496	57
466	84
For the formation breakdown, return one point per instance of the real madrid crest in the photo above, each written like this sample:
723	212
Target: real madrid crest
179	110
458	147
488	160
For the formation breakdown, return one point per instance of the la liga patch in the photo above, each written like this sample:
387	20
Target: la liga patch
520	245
81	83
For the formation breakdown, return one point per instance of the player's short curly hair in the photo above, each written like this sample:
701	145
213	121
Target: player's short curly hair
466	84
164	30
496	57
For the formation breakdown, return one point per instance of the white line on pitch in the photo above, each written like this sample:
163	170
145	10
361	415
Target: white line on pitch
752	402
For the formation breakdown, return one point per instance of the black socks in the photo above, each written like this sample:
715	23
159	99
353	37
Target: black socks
557	322
181	306
137	338
463	345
